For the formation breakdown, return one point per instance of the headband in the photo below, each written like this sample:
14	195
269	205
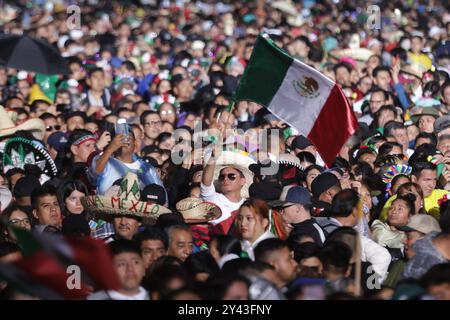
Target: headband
84	139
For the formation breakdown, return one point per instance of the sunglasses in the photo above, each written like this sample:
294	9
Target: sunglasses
230	176
50	128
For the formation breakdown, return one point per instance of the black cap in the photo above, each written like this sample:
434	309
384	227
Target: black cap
165	37
266	190
300	142
75	114
154	193
25	186
322	183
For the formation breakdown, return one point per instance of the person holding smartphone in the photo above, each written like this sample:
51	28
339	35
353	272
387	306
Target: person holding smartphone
117	159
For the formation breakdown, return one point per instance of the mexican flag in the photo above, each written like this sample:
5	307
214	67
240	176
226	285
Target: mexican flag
300	96
47	266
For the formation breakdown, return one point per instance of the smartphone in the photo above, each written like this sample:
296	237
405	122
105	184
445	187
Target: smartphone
122	128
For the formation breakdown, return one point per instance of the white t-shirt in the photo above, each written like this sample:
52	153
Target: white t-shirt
114	295
133	166
208	193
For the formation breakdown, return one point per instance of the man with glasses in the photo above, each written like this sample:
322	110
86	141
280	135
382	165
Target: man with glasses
295	204
396	132
118	158
231	181
51	124
152	124
378	98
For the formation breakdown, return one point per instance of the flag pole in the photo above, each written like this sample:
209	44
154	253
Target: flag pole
358	253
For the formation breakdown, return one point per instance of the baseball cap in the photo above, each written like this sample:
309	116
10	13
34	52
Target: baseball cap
322	183
25	186
422	223
75	114
293	195
300	142
441	123
57	140
265	190
154	193
165	37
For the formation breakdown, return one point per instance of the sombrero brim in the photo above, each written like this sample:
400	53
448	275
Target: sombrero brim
290	160
35	126
415	118
360	54
194	211
108	207
30	152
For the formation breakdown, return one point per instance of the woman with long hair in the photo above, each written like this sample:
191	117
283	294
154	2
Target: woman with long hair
14	216
69	197
253	224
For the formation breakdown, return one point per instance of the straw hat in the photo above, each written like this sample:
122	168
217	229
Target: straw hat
414	69
194	210
124	200
7	126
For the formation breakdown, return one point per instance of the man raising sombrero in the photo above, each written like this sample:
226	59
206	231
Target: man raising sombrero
229	174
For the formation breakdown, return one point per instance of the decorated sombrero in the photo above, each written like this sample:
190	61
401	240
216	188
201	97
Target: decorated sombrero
19	152
124	200
289	168
239	160
194	210
290	160
395	171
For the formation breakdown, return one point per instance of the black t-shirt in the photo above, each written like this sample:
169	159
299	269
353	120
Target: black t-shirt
310	228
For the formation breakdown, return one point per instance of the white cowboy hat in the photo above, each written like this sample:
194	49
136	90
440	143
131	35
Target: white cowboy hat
7	126
239	160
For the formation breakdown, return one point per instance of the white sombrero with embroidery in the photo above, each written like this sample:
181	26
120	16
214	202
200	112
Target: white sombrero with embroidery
124	200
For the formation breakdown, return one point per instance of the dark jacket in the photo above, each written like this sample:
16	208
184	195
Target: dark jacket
310	228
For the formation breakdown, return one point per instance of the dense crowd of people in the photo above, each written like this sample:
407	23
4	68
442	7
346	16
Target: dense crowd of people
184	199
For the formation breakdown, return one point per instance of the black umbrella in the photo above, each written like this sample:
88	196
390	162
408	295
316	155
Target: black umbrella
35	55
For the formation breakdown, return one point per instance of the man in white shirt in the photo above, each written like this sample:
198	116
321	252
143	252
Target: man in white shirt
232	181
128	262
